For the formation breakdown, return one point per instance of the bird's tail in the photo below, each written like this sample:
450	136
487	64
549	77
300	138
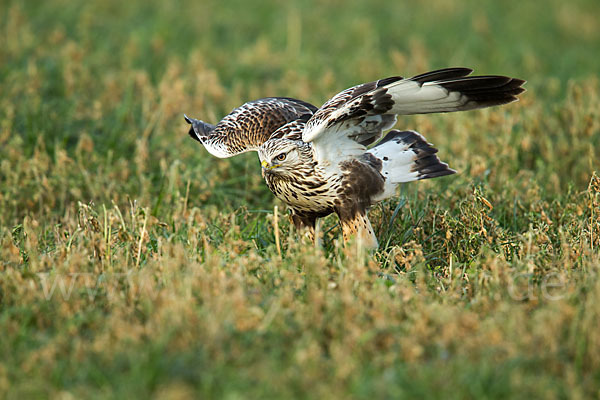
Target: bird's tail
406	156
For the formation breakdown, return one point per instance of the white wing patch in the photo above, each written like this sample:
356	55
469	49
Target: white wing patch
331	149
220	150
412	98
344	140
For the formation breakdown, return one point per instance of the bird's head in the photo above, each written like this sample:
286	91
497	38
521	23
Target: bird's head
282	157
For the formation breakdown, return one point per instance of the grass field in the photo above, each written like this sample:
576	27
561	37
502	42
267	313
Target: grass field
133	264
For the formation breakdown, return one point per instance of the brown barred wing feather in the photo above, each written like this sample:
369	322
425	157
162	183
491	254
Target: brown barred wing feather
292	130
248	126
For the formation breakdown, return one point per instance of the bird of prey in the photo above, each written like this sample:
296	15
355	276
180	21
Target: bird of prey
320	161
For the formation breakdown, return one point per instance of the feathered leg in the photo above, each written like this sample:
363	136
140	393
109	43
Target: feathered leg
360	227
305	224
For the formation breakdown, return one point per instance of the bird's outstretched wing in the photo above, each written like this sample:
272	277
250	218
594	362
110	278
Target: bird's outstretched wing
248	126
356	117
292	130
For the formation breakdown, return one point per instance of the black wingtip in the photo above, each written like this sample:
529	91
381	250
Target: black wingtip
193	135
484	90
443	170
440	74
199	130
431	167
192	131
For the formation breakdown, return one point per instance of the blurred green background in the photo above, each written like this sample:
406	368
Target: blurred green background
304	49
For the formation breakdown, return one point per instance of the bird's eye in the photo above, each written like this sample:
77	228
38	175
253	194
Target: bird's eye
280	157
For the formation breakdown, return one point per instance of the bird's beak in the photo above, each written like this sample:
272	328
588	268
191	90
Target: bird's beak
268	167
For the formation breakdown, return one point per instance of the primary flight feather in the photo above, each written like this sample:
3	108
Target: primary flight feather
317	160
